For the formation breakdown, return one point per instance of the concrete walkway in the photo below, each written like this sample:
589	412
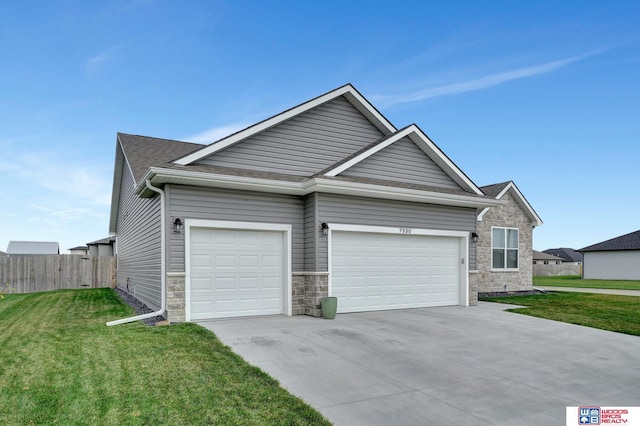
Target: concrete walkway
591	290
453	365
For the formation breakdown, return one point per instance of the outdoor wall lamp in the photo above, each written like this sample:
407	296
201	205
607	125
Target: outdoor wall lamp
474	237
325	229
177	225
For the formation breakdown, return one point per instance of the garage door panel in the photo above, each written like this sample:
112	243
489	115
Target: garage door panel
236	272
374	271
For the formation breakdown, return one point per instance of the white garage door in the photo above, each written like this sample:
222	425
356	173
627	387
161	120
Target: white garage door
372	271
235	273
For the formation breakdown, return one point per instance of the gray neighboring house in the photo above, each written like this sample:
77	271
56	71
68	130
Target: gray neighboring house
542	258
567	254
505	240
614	259
3	254
79	250
326	198
103	247
32	248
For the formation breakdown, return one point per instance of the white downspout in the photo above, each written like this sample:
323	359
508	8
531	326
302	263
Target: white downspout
163	284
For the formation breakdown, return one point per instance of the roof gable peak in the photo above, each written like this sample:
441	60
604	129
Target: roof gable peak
348	91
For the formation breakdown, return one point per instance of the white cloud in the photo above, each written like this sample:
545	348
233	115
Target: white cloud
480	83
86	183
216	133
98	62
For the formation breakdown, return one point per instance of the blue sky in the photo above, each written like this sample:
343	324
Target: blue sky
544	93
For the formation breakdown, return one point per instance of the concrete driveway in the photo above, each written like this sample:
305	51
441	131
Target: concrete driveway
440	366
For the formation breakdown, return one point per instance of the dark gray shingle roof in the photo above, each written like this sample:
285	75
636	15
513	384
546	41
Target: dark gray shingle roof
540	255
143	152
629	241
495	189
568	254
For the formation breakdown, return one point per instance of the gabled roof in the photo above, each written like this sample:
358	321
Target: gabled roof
568	254
540	255
138	153
163	161
32	247
497	191
348	91
104	241
422	141
629	241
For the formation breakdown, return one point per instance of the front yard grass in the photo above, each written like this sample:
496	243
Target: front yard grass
60	364
577	281
604	311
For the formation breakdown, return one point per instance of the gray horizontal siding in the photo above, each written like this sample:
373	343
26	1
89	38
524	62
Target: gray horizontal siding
303	145
311	233
190	202
138	244
373	212
402	161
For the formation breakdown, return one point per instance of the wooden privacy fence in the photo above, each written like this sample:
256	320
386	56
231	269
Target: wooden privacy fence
27	274
541	270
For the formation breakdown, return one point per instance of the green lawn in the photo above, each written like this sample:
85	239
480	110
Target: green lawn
60	364
605	311
577	281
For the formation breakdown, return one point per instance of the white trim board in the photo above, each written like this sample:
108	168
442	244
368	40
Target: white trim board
463	246
347	90
251	226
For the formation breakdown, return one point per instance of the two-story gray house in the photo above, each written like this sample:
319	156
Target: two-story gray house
326	198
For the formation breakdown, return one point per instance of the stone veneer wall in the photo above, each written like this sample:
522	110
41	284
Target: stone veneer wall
176	296
316	286
509	215
473	288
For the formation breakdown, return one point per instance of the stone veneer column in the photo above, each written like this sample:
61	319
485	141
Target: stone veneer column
176	296
316	286
473	288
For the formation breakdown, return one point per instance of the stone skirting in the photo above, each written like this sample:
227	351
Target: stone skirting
316	286
473	288
176	296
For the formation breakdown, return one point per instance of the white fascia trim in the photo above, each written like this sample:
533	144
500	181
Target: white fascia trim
283	116
160	176
401	194
424	143
355	160
253	226
522	201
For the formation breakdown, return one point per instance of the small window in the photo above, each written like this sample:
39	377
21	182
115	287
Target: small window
505	247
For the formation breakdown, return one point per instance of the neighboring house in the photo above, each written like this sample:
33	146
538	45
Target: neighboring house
3	254
326	198
505	238
103	247
542	258
614	259
567	254
32	248
81	250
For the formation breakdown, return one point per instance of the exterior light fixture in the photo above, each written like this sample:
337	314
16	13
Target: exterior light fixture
325	229
474	237
177	225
